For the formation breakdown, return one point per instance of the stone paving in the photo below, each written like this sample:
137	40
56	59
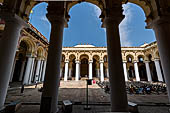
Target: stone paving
76	92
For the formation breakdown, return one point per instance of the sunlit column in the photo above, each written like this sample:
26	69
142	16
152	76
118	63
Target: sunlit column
37	72
77	70
44	68
125	70
158	70
148	71
66	71
136	71
31	72
101	71
90	69
28	70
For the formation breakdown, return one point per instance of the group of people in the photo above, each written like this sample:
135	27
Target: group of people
138	88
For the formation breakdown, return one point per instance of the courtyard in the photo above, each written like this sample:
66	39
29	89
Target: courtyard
76	93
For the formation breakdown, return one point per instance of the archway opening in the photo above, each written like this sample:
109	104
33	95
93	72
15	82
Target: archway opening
142	69
130	68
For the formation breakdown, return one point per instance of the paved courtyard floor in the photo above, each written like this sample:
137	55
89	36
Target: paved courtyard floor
76	92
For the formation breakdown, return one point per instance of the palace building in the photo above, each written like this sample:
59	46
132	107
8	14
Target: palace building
81	61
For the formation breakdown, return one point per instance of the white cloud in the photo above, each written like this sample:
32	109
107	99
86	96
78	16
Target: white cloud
124	26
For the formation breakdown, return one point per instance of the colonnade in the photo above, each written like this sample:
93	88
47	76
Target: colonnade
68	70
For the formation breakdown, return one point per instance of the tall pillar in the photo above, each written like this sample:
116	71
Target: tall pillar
66	71
158	70
116	76
41	70
31	71
161	28
136	71
37	72
27	70
77	70
49	100
125	71
148	71
90	70
107	72
61	71
8	46
12	72
44	68
101	71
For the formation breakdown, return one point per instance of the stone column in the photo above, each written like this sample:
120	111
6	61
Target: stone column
116	76
148	71
8	47
44	68
90	70
107	72
77	70
101	71
158	70
49	100
66	71
12	72
31	72
28	70
125	71
61	71
41	70
37	72
136	71
161	27
22	70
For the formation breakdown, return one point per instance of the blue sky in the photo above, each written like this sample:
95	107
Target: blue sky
85	26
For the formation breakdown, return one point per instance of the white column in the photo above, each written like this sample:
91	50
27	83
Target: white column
158	70
90	69
37	72
44	68
41	70
66	71
136	71
107	72
77	70
61	71
31	72
125	71
148	71
8	47
101	71
22	70
27	70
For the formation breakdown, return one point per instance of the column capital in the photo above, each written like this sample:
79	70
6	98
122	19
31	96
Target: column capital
146	61
91	61
101	61
124	61
13	18
156	59
135	61
66	61
56	16
77	62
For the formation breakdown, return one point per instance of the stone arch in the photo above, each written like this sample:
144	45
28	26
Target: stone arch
40	52
83	54
97	3
96	57
30	44
130	56
140	56
72	56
